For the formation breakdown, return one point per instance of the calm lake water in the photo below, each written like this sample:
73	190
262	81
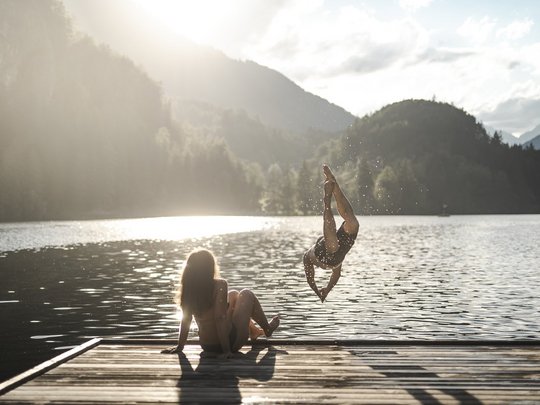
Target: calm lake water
462	277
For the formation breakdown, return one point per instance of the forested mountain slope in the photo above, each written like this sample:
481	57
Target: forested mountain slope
85	133
416	156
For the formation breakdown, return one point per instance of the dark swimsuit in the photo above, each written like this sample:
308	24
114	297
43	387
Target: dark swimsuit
346	242
217	347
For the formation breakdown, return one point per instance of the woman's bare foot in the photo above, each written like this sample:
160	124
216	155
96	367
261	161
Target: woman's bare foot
328	173
272	326
255	333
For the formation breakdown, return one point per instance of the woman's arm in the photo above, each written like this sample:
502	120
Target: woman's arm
183	332
223	324
336	274
187	317
310	274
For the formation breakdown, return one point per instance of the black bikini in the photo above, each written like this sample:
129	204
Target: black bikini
346	242
216	348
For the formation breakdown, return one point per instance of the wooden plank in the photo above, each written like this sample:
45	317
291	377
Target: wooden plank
314	373
311	395
45	366
349	342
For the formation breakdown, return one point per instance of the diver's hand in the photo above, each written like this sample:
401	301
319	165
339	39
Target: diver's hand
172	350
323	293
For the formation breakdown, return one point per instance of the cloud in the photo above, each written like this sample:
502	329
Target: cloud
481	31
327	42
515	115
248	20
363	60
444	55
414	4
377	58
516	29
477	31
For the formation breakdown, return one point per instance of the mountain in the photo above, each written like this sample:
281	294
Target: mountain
85	133
535	143
416	156
529	135
506	137
191	72
248	138
209	76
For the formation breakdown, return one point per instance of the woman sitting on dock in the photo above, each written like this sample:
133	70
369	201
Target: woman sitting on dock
225	318
330	249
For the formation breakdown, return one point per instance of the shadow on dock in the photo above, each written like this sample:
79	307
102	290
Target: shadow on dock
411	372
226	374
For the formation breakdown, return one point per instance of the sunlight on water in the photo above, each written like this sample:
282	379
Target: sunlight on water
177	228
36	235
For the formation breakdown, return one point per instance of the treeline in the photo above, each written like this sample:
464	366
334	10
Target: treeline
420	157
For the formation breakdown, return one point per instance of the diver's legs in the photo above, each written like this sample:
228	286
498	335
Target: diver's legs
343	205
329	224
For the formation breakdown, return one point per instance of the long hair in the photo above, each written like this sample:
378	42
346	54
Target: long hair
195	292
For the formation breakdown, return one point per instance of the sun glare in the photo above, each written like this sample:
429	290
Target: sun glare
178	228
195	20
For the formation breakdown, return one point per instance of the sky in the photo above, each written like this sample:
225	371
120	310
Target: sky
480	55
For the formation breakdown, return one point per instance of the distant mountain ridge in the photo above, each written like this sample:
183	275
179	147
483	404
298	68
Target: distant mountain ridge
264	93
535	143
529	135
192	72
506	137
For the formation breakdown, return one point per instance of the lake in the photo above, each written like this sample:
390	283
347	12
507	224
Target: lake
407	277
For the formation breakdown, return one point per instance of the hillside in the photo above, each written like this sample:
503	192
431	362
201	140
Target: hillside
535	143
529	135
191	72
85	133
416	156
248	138
263	93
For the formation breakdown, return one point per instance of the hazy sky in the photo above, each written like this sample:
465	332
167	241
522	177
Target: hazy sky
481	55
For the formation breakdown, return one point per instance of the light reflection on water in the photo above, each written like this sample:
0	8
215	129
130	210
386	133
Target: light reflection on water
406	277
33	235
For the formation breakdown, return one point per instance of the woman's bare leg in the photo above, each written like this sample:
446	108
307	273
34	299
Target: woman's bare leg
248	307
343	205
254	331
329	224
232	299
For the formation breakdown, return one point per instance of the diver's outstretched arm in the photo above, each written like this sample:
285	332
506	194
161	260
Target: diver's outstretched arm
310	275
336	274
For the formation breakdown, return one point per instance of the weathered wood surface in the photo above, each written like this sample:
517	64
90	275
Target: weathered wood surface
374	374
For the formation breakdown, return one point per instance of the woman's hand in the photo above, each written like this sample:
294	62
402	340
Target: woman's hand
172	350
323	293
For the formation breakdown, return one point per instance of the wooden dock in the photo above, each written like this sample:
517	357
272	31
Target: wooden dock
371	372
